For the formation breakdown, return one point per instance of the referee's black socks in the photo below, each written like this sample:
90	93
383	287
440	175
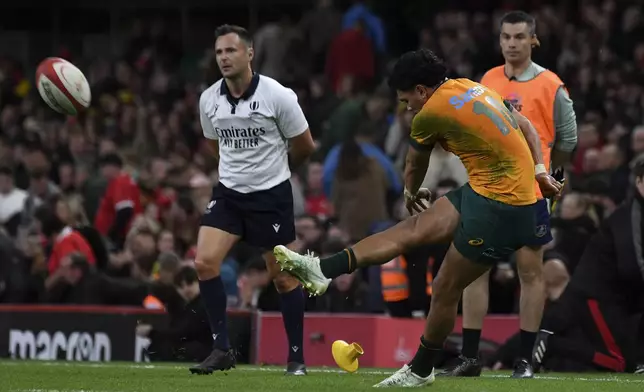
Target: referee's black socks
214	298
339	264
292	304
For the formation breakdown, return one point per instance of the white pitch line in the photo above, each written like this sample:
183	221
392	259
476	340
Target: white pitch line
149	366
56	390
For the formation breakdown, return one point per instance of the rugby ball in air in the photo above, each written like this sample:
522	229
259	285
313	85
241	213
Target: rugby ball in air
63	86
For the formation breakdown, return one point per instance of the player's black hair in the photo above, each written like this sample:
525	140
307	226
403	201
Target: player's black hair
515	17
419	67
233	29
186	275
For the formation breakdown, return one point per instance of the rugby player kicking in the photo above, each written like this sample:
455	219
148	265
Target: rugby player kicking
250	121
541	97
485	220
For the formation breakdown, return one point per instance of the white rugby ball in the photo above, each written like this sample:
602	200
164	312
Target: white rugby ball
63	86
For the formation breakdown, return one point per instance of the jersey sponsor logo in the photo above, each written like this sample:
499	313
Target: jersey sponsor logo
78	346
254	105
515	100
476	242
240	138
458	101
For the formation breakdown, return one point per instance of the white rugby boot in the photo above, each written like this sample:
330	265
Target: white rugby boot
405	378
306	268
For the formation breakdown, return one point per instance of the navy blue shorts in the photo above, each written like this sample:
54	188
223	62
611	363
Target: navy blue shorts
263	219
542	234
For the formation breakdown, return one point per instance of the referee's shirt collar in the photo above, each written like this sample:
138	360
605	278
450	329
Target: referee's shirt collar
252	87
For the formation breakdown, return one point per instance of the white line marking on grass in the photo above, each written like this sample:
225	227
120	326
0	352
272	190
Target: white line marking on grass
56	390
273	369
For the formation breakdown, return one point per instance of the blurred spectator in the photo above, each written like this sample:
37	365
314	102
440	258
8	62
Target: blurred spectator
359	191
573	228
81	284
187	338
351	58
12	201
121	202
319	26
64	242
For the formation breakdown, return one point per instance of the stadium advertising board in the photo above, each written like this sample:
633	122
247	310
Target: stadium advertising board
387	342
74	334
93	333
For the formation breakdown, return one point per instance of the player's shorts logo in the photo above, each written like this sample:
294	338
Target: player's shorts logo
540	231
476	242
209	206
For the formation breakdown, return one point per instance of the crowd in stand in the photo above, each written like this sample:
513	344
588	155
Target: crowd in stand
141	143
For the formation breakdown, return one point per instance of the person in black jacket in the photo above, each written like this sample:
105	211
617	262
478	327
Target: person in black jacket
188	336
594	325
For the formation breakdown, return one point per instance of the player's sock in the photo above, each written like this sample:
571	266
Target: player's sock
423	362
293	315
339	264
471	338
214	297
527	343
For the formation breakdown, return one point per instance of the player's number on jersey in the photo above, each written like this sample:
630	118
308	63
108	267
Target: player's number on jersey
490	111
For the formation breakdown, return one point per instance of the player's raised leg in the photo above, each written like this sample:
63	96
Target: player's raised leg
434	225
475	305
292	305
213	245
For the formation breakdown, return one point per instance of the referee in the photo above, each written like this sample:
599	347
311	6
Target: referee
254	126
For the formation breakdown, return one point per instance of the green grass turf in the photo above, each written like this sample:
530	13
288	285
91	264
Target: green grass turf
36	376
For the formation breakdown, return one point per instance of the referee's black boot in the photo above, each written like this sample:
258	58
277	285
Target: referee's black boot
639	369
295	369
217	360
523	369
466	367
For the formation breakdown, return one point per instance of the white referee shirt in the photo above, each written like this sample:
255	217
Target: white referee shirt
252	132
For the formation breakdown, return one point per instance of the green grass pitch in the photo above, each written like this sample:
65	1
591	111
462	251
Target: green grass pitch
37	376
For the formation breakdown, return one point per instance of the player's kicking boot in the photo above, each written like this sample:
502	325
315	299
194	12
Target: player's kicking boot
217	360
405	378
306	268
295	369
466	367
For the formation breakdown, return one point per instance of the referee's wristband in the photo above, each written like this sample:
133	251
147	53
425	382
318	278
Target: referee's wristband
540	169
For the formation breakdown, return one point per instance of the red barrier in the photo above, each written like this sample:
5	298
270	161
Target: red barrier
387	342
